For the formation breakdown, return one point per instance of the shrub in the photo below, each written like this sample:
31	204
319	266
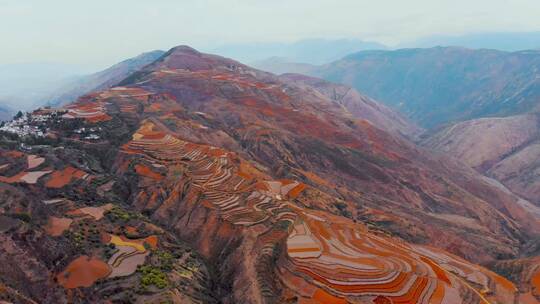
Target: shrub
23	216
153	276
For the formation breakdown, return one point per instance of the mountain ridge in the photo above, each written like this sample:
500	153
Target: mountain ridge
101	80
442	84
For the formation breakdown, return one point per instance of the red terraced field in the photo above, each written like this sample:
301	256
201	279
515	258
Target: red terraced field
91	111
147	172
64	177
125	92
83	272
96	212
24	177
351	262
330	259
57	225
214	173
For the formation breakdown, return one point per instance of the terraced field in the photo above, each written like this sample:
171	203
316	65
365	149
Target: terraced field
25	177
333	253
328	259
130	254
237	196
83	272
201	180
55	178
90	111
64	177
34	161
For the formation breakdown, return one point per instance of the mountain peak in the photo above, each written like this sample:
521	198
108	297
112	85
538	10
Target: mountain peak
183	49
187	58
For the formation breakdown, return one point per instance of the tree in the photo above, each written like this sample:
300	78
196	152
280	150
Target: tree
18	115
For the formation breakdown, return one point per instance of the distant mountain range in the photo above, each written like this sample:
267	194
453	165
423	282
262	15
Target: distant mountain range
28	86
100	80
23	86
438	85
313	51
511	41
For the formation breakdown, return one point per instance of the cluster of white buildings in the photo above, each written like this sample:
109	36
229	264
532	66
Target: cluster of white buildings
22	127
90	136
32	124
29	123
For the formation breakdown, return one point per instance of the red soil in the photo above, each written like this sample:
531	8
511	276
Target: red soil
83	272
131	230
326	298
13	179
147	172
382	300
99	118
535	282
57	225
296	191
441	274
152	241
61	178
14	154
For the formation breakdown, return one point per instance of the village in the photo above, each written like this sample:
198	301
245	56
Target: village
37	124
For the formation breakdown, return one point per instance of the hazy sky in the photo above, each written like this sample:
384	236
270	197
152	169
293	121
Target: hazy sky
100	33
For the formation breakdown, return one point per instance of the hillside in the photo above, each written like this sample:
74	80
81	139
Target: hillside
358	105
225	184
100	80
442	84
504	148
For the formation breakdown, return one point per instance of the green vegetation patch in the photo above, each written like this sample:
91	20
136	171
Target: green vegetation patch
151	275
119	214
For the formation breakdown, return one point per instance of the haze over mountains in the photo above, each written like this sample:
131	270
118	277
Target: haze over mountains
100	80
510	42
25	86
311	51
440	85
